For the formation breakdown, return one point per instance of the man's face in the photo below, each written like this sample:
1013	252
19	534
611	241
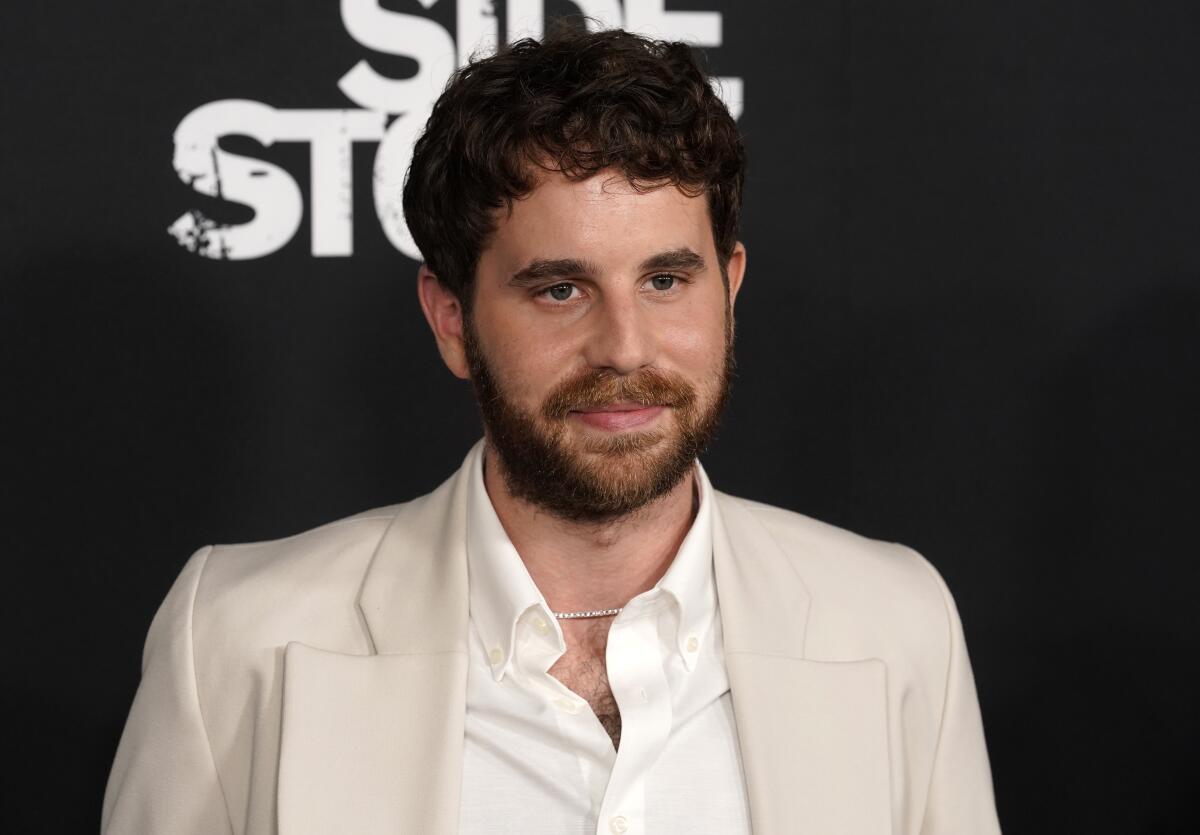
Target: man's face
600	343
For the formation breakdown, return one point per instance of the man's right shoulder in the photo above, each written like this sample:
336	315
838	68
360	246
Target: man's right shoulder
256	596
325	552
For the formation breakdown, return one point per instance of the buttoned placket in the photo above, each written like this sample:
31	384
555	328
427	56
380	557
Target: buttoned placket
639	684
634	661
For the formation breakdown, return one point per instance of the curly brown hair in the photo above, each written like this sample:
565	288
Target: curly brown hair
577	102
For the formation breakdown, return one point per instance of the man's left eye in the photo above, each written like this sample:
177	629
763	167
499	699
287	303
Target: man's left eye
560	292
663	282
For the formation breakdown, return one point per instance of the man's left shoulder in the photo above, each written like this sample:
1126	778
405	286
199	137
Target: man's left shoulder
863	592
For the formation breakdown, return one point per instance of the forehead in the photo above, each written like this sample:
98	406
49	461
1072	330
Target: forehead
604	218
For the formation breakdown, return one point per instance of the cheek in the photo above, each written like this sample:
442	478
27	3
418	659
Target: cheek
695	340
526	364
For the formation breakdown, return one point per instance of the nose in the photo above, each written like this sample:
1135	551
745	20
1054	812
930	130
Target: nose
622	336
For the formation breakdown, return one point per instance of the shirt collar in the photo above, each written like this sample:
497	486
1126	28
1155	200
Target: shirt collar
499	585
689	579
502	591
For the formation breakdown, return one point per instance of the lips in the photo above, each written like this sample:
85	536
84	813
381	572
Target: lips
618	416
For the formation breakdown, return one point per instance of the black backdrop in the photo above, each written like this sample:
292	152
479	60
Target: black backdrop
969	324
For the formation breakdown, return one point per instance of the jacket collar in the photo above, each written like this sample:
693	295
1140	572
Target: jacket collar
813	734
414	594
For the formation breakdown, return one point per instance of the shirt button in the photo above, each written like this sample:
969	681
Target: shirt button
618	824
567	706
541	626
693	644
497	655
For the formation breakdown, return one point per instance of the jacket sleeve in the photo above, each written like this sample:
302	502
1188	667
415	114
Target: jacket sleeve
164	779
961	799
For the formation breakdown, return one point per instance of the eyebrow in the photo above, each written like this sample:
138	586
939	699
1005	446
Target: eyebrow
541	269
674	259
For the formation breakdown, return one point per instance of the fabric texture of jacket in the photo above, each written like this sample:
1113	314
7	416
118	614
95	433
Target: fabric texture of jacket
317	683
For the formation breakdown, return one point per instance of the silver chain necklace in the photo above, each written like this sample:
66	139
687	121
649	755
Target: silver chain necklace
594	613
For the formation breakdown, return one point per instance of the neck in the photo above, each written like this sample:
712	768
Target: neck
581	566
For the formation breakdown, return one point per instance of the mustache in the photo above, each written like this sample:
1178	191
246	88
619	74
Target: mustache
597	388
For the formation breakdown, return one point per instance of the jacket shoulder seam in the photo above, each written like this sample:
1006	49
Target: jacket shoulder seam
191	643
942	592
336	523
339	522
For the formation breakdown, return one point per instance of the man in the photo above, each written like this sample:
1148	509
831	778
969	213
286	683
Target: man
575	632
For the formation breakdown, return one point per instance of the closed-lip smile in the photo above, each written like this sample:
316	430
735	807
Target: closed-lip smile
618	416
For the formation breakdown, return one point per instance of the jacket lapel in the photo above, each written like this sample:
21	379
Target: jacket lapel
373	743
813	734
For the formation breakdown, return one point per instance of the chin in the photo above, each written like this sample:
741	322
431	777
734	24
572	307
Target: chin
622	445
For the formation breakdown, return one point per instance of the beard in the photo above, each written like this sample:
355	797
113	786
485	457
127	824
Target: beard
598	477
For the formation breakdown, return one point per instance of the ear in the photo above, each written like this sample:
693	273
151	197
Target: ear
444	314
736	271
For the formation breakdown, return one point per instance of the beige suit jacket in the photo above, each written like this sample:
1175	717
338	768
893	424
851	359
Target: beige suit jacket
316	684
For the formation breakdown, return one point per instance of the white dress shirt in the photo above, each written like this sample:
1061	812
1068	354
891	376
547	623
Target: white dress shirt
537	760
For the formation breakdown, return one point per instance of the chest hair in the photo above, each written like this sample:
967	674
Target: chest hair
582	670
